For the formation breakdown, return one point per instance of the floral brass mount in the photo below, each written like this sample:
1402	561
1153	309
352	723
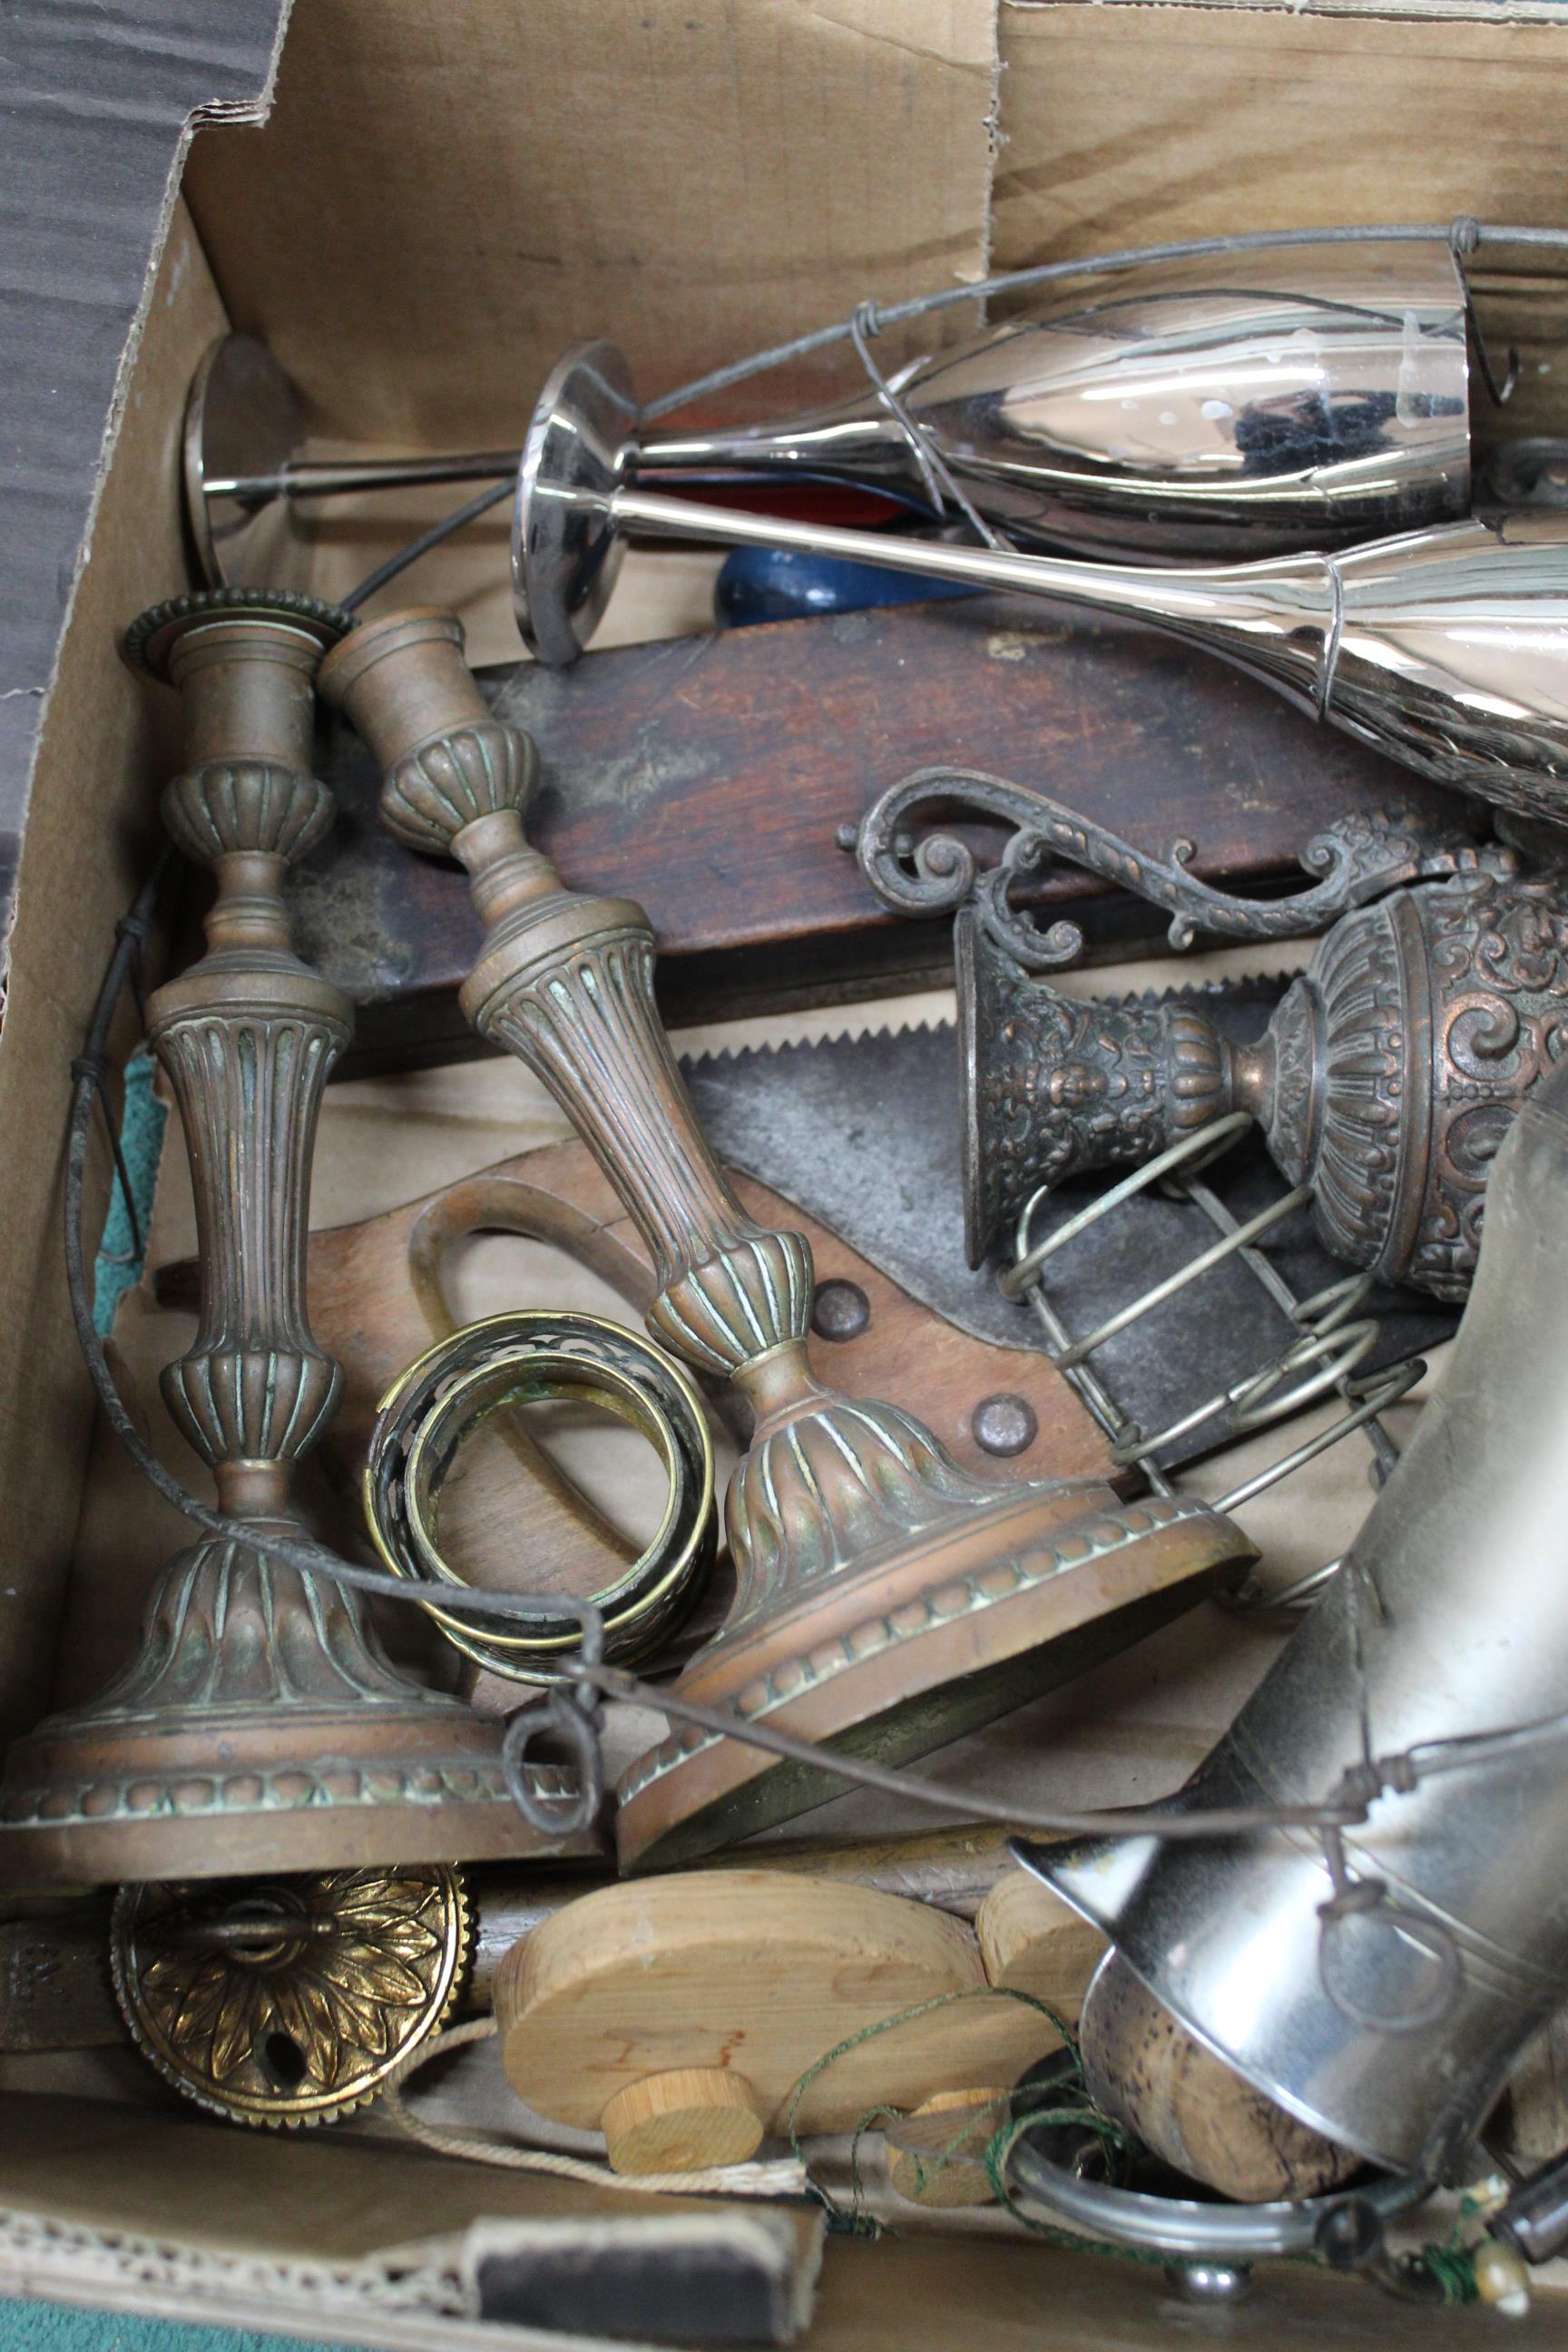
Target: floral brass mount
1389	1072
289	2002
260	1725
887	1597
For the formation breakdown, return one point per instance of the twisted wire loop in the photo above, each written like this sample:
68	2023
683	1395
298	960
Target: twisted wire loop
570	1713
941	486
1364	1896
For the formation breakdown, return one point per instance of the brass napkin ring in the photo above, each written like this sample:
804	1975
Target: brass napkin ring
529	1357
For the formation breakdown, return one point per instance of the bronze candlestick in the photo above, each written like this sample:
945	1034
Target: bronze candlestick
1386	1079
887	1600
260	1727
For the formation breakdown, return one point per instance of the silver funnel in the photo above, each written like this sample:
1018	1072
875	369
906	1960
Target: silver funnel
1249	404
1390	2029
1447	649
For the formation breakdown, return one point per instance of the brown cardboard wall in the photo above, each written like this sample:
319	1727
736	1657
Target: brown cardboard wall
1126	125
446	196
1136	124
91	831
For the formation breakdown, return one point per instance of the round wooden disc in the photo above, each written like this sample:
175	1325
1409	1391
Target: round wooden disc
752	1973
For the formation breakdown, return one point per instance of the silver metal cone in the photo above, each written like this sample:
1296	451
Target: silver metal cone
1391	2028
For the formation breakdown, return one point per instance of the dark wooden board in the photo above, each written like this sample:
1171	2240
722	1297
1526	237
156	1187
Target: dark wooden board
707	776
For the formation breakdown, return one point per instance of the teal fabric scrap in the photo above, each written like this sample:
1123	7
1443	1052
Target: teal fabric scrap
56	2328
119	1264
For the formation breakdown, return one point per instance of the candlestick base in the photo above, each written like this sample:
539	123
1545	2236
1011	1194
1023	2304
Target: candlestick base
920	1641
259	1728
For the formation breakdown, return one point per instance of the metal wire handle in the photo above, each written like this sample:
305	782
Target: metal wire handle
1335	1339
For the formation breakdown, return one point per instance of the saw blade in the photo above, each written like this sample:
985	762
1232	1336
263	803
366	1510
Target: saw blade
864	1131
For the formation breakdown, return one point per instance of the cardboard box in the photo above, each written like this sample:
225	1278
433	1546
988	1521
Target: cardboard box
443	194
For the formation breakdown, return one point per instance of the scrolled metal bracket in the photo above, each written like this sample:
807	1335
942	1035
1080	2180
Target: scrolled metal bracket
1359	858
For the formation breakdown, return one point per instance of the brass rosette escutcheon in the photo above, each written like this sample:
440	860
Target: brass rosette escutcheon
288	2001
532	1356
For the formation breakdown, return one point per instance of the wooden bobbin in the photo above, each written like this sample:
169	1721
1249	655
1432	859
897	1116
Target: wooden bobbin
685	2017
1030	1942
685	2121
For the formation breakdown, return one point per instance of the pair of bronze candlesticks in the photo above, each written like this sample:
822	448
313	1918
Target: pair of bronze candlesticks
886	1599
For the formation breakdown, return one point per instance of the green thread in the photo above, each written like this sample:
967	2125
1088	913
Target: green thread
1454	2270
1452	2265
857	2221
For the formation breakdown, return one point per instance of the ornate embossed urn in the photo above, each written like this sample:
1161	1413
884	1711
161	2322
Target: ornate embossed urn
1387	1079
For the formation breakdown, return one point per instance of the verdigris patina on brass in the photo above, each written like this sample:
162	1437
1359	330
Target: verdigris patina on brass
260	1725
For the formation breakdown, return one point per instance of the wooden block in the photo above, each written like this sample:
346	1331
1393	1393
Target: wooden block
935	2155
1033	1942
707	777
679	2015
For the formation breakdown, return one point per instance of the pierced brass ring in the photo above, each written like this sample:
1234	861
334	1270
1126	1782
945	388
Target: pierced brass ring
288	2001
535	1355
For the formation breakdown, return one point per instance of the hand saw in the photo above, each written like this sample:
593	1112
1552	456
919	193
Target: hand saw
707	777
864	1132
378	1293
855	1140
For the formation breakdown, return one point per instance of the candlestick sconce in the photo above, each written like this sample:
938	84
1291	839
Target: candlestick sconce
1388	1075
260	1725
886	1599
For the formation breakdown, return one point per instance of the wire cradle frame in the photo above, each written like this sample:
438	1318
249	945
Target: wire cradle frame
1334	1342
